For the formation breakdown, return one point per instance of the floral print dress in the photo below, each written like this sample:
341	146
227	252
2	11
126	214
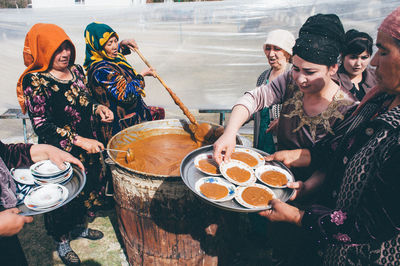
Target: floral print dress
59	111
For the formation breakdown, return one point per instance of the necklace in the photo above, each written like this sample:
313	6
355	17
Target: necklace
339	99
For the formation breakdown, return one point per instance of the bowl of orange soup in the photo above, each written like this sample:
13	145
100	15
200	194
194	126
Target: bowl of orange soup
248	156
273	176
255	196
238	173
215	189
205	163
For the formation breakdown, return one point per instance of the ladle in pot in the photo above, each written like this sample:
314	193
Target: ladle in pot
203	131
129	157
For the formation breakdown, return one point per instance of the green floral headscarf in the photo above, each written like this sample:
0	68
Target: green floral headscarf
96	36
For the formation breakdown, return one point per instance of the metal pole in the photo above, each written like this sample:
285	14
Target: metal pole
25	135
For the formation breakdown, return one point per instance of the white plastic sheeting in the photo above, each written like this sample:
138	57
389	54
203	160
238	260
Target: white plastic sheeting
209	53
69	3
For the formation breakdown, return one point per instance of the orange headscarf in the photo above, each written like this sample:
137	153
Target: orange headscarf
41	42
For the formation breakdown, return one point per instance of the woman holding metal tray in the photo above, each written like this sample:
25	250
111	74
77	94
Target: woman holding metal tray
315	105
360	225
20	155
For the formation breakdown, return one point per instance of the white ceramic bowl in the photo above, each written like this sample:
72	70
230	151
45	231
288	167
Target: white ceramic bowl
65	196
47	168
224	166
265	168
55	180
45	196
216	180
22	175
258	157
238	197
209	157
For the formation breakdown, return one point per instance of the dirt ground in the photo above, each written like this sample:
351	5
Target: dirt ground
40	250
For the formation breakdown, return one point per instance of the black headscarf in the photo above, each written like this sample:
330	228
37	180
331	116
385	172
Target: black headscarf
320	39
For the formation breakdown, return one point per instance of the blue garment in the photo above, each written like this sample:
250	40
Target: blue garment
121	89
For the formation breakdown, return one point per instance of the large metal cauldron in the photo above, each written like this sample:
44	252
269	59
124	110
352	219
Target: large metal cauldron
160	219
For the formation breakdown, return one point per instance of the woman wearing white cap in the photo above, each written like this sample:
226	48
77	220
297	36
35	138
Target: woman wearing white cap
278	50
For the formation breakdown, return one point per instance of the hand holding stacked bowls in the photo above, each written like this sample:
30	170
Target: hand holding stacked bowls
246	178
49	192
45	172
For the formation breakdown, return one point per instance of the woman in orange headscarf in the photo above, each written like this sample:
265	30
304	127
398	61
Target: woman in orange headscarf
52	89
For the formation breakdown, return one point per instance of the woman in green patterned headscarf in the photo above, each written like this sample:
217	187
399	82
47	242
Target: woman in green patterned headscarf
114	82
96	36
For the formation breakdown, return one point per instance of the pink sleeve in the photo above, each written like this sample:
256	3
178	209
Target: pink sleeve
265	95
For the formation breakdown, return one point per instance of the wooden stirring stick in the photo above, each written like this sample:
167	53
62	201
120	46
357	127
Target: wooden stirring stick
200	131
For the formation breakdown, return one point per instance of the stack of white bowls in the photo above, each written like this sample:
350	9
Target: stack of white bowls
50	191
46	197
24	182
46	172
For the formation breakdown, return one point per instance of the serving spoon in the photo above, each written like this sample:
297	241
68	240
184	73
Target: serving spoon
129	157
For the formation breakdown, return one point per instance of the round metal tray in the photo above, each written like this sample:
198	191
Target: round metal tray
190	174
74	186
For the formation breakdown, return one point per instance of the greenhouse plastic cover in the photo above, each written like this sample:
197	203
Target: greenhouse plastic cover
208	53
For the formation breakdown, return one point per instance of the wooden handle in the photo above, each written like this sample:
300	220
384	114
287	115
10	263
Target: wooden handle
173	95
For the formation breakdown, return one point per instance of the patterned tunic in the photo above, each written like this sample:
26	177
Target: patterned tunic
60	110
296	129
362	226
121	89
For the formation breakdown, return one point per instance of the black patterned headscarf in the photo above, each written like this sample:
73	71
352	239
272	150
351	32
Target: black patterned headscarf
320	40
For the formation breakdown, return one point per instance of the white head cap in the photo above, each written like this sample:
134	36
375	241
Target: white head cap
281	38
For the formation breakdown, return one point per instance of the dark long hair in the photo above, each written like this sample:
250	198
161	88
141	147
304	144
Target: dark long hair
357	42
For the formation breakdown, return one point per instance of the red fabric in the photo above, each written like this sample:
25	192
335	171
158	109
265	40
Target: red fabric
391	24
157	113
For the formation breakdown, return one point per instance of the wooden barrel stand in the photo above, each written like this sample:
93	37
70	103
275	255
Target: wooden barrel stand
161	222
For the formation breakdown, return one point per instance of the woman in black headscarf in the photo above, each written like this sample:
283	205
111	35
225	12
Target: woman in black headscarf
316	107
315	104
361	227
